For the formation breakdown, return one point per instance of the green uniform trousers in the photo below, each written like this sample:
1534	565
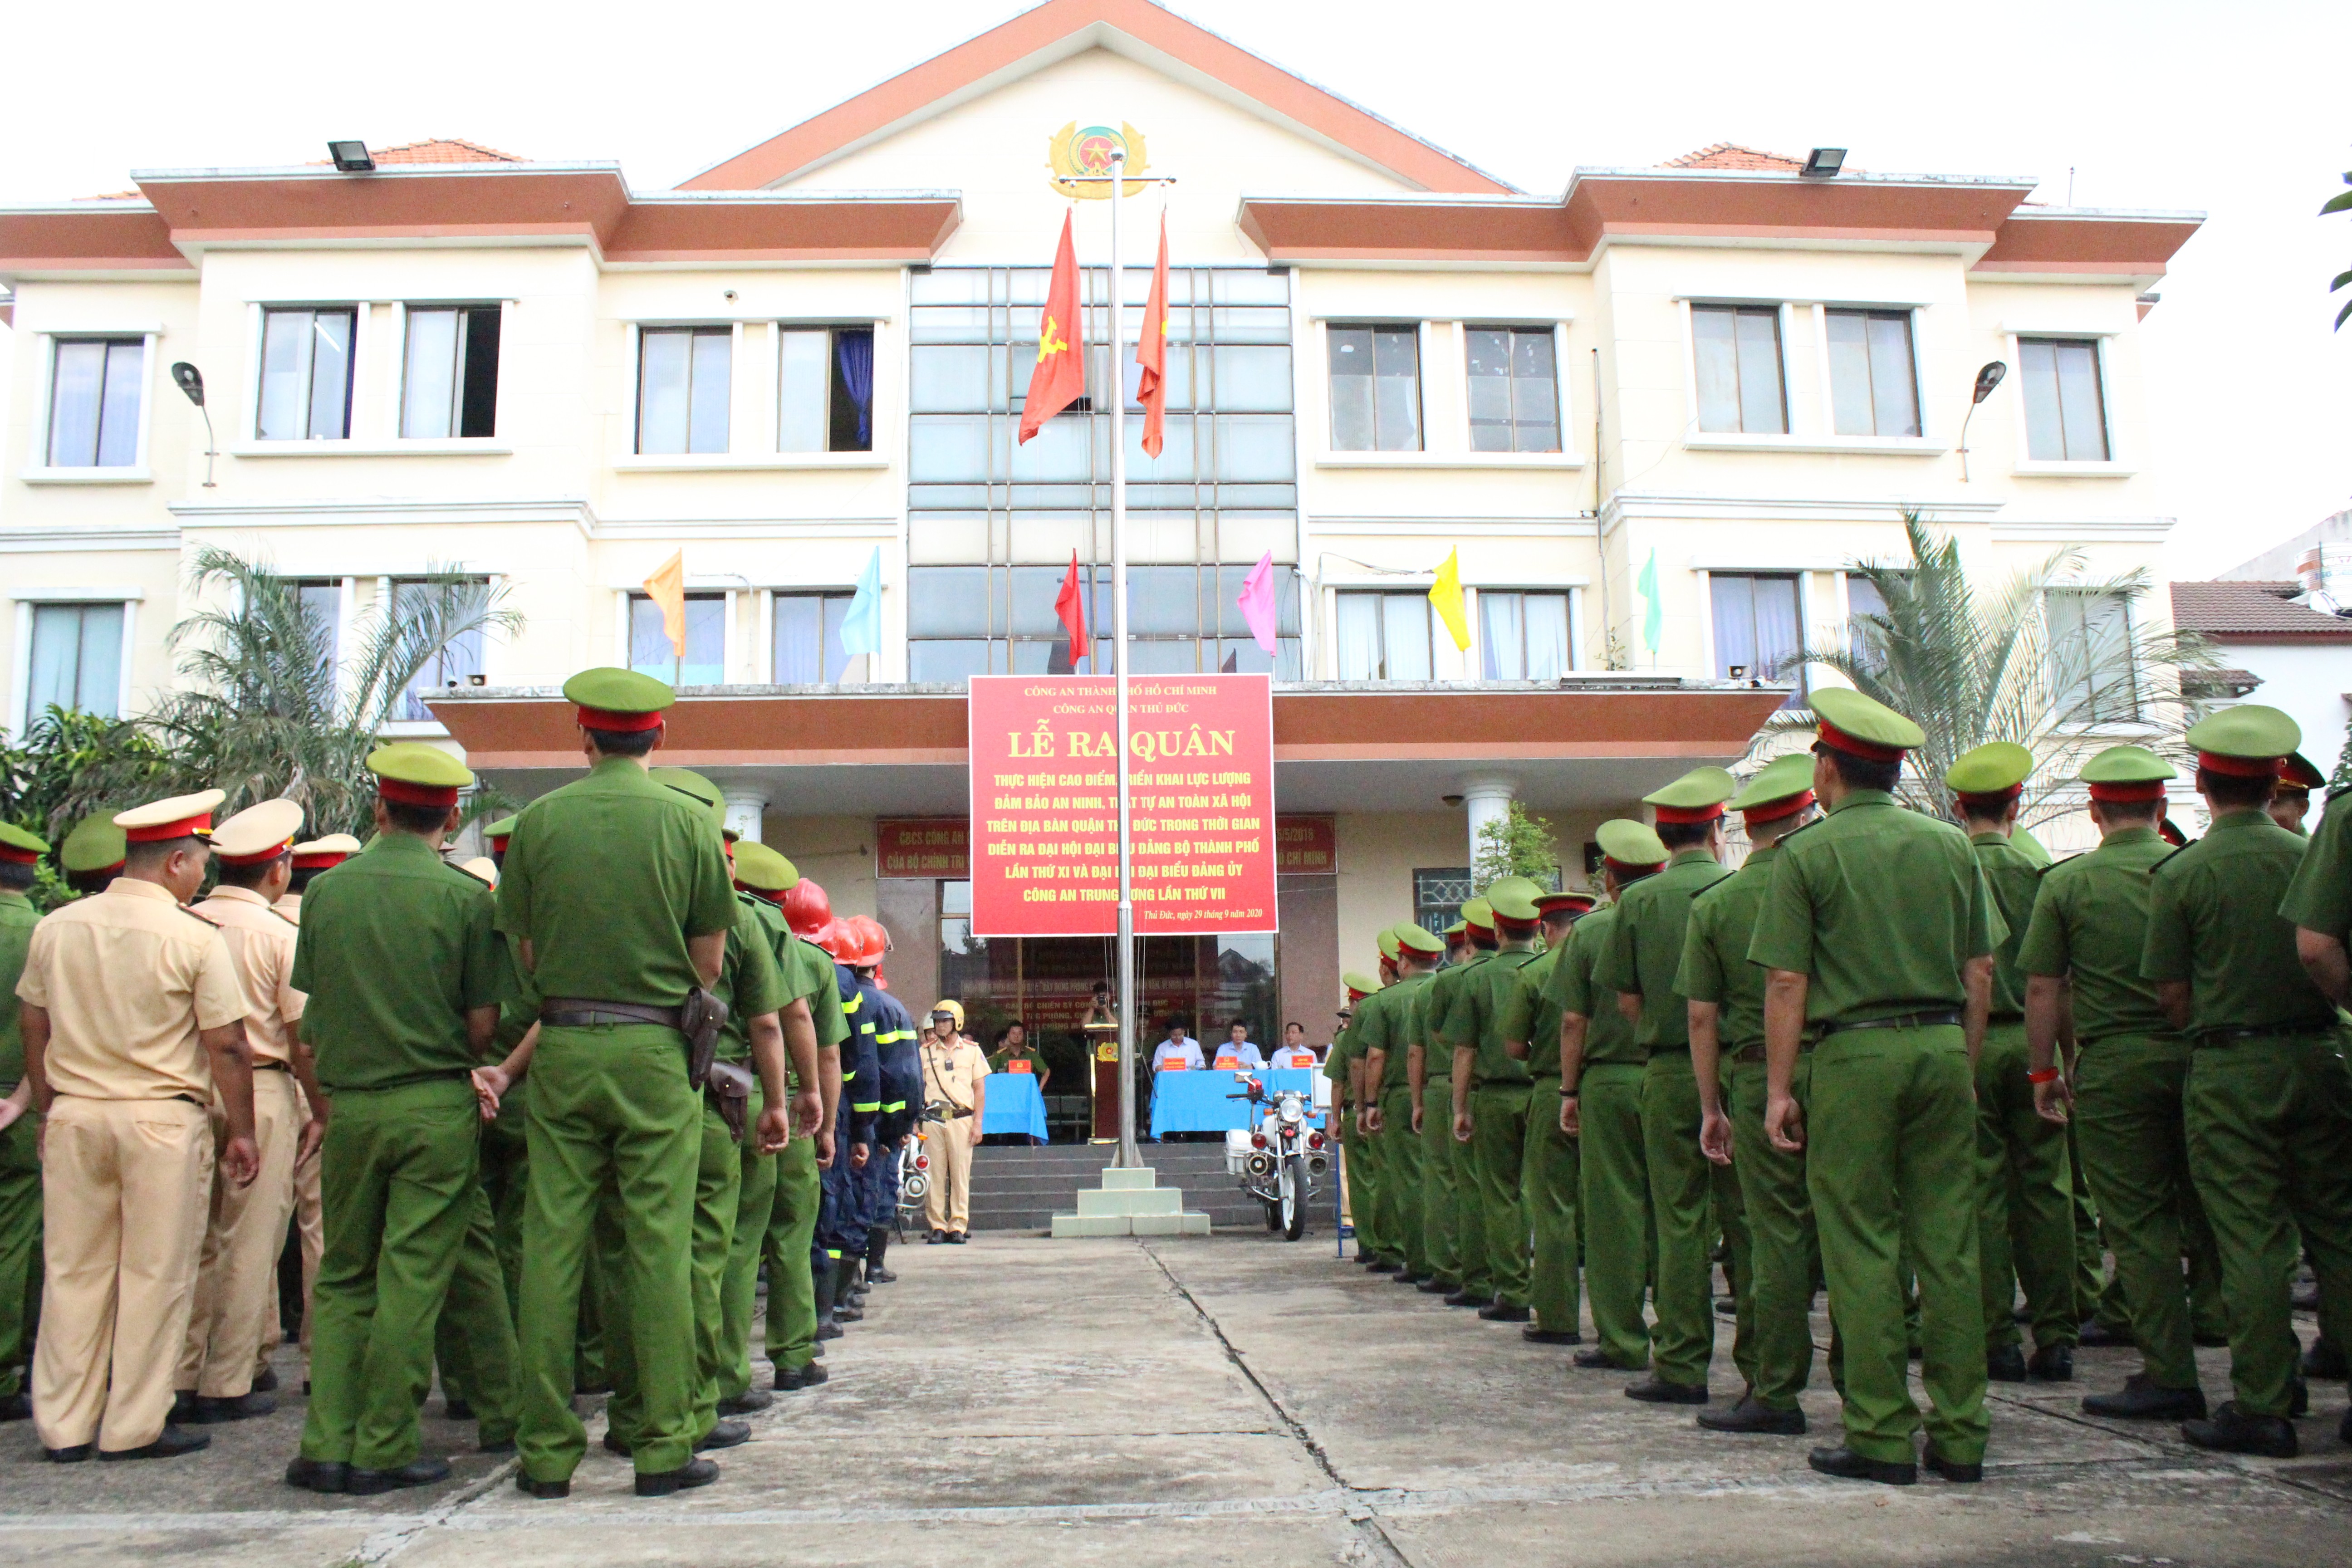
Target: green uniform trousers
610	1107
1470	1254
739	1293
718	1192
475	1338
2025	1201
1682	1198
1785	1255
1738	1259
1364	1175
505	1177
1890	1121
1439	1202
1548	1192
1498	1143
2128	1122
2269	1122
1614	1182
1401	1185
791	1286
20	1246
2098	1293
397	1182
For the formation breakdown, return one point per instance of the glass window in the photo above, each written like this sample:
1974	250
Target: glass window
76	659
2066	414
947	662
652	653
449	378
2091	657
1438	894
808	641
683	376
1864	640
825	399
94	385
306	375
1526	635
459	661
1874	385
322	606
1514	390
1756	629
1739	385
1375	389
1384	636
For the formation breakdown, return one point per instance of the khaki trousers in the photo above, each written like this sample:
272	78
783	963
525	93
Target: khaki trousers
947	1205
311	1225
236	1273
124	1183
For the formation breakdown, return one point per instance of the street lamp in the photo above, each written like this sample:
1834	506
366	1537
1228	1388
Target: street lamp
1989	376
190	381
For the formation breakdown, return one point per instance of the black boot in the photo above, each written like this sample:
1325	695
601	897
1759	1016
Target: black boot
2052	1363
846	1296
2141	1400
877	1246
823	1277
2006	1365
2230	1431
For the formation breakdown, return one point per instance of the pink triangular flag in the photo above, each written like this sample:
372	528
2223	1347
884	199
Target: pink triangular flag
1256	602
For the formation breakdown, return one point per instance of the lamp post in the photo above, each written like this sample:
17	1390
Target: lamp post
190	381
1989	376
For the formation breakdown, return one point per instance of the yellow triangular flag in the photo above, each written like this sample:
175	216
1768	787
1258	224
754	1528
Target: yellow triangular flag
1446	595
667	587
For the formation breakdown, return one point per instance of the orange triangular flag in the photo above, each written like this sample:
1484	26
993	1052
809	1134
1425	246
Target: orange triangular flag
1151	353
667	587
1060	378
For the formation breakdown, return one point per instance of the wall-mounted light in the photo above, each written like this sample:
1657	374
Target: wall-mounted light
1823	163
190	381
1989	376
352	157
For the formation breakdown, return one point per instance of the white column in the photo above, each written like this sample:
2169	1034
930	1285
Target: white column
746	805
1485	799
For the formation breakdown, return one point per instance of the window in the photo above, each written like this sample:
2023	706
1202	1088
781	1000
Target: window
76	659
1739	386
449	381
322	606
652	653
683	376
1438	894
1756	629
306	374
459	660
2091	660
825	399
2066	414
1864	639
1525	636
1514	390
1384	636
1874	384
1375	389
808	640
94	385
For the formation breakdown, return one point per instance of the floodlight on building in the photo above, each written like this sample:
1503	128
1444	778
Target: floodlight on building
1823	163
352	157
1989	376
190	381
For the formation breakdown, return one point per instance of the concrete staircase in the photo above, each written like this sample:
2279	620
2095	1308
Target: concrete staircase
1014	1188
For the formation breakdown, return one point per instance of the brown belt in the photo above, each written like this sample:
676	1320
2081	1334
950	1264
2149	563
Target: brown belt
581	1012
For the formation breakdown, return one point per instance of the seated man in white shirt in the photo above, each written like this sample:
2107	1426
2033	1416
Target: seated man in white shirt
1240	1050
1179	1049
1294	1051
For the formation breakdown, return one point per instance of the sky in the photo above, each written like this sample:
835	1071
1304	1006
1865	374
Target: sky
2234	110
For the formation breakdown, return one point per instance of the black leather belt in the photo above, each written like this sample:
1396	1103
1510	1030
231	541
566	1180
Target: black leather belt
271	1067
1897	1021
581	1012
957	1115
1756	1053
2265	1032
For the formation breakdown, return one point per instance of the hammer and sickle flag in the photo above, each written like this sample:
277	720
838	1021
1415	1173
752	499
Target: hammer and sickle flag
1060	376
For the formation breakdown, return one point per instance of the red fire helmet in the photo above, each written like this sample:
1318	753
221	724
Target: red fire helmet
872	941
806	909
838	940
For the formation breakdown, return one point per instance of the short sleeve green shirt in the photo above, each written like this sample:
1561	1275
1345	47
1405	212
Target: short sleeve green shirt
1437	1009
1476	1020
1645	946
748	981
1714	966
17	918
1530	1016
1608	1036
2213	920
2015	878
1388	1027
2090	924
395	949
2320	897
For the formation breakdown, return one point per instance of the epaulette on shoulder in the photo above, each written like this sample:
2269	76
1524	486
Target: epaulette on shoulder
2053	864
204	920
289	920
1808	828
2168	860
1711	887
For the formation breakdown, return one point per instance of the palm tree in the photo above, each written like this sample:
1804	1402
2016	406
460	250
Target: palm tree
2053	661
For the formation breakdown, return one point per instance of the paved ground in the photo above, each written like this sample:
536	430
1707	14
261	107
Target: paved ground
1222	1400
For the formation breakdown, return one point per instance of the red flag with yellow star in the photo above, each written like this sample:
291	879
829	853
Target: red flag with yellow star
1151	353
1060	377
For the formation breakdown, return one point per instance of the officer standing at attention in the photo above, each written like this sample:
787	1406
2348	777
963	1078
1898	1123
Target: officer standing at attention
954	1077
133	1016
1879	932
1645	950
1601	1067
1383	1025
2121	1086
1727	1027
1344	1069
2268	1105
20	1153
92	854
1478	947
1432	1097
1490	1093
1548	1167
790	1245
1379	1223
617	890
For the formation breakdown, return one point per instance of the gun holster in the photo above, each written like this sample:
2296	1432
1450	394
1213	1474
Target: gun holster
730	1089
700	1020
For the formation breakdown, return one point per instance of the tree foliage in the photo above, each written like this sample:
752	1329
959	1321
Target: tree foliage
2340	202
1519	844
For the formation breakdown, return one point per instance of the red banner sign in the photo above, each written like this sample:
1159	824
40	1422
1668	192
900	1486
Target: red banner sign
1044	804
922	847
1306	845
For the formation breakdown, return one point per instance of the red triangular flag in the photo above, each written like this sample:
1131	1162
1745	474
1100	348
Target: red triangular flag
1060	378
1151	353
1070	604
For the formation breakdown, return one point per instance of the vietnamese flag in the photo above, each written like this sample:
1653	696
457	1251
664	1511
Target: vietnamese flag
1060	378
1151	353
1071	606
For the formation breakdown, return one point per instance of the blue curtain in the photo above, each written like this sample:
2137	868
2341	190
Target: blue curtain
855	353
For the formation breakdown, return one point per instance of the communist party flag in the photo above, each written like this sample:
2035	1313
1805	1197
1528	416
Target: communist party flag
1060	378
1151	353
1070	604
667	589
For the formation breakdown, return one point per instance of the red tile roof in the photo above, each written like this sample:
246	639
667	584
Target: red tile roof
1732	156
439	150
2254	612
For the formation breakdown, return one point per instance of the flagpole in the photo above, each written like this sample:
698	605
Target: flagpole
1129	1156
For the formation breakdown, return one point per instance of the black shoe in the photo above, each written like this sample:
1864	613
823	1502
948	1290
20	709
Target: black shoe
1407	1277
614	1444
828	1331
1846	1464
265	1380
2140	1399
936	1237
16	1407
1952	1469
2306	1298
2299	1400
1465	1296
745	1403
790	1379
421	1472
2322	1360
2096	1335
588	1388
1727	1306
693	1473
725	1434
1599	1360
2052	1363
170	1444
1754	1416
955	1239
1383	1266
211	1411
1655	1390
458	1409
2006	1365
529	1487
1437	1285
843	1312
183	1407
2344	1428
1535	1336
2228	1431
73	1455
330	1476
1504	1312
498	1446
881	1276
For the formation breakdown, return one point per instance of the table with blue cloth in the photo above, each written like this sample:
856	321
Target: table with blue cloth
1194	1100
1013	1105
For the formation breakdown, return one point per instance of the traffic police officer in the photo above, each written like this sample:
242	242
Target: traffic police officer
1547	1166
1490	1093
20	1158
1382	1027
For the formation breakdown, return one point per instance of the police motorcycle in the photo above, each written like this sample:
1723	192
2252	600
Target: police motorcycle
915	1170
1279	1159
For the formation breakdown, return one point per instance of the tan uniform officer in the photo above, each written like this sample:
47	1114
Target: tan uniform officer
132	1014
954	1074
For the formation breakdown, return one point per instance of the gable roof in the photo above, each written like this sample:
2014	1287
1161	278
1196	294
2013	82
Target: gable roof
441	149
2254	612
1136	29
1732	156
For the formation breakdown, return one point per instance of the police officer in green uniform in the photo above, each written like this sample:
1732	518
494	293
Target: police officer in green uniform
1879	932
91	854
1388	1247
1491	1093
1727	1027
793	1351
2121	1084
1646	948
1477	948
615	887
1530	1027
1383	1030
404	971
1343	1068
20	1160
1432	1094
2268	1105
1602	1068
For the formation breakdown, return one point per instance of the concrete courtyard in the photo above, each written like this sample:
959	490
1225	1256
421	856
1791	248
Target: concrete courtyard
1229	1400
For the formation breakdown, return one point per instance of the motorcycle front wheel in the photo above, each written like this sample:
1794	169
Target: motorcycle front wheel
1294	1192
1273	1216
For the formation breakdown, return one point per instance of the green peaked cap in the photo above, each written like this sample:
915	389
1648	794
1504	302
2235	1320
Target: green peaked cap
2247	729
763	870
1514	884
1990	769
1479	913
695	787
1696	789
502	829
1514	903
413	762
1387	942
1361	985
1866	718
95	844
619	691
1777	780
18	838
1457	928
2128	765
1630	843
1419	941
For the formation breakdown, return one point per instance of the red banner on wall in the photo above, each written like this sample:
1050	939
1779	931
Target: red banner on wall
1306	845
1044	804
922	847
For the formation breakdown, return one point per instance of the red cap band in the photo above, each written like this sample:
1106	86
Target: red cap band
2241	767
408	793
1644	867
1680	816
1868	751
499	842
1509	927
320	859
1774	810
622	723
1991	799
1469	927
2140	789
272	853
194	826
15	857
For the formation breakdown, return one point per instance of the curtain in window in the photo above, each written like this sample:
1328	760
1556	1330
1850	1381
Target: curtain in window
1547	620
854	350
1360	636
1504	630
1404	636
1777	639
76	659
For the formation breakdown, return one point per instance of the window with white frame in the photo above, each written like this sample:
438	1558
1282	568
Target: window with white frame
96	386
652	653
824	396
1384	636
684	376
808	640
459	660
1525	636
1375	388
306	374
2092	672
449	374
1865	641
1757	635
2065	412
1741	388
1874	382
1514	389
75	658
